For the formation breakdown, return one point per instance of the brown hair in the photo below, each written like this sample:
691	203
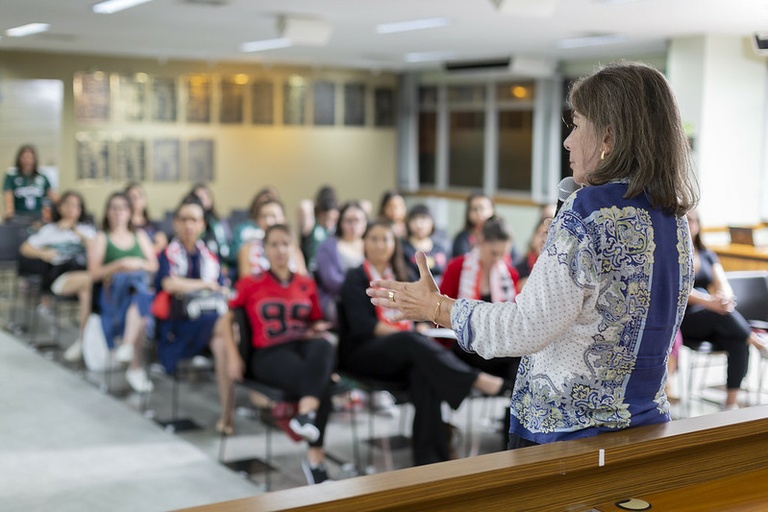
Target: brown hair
635	103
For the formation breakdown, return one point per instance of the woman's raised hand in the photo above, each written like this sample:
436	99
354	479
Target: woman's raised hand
412	301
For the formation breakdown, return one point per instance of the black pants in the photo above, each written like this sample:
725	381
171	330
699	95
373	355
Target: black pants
725	332
301	368
433	374
504	367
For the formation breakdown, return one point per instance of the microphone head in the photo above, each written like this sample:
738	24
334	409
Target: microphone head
566	187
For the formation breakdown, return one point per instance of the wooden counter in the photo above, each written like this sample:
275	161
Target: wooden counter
742	257
565	476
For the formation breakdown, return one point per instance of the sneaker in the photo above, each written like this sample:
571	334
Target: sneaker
124	353
314	474
138	380
44	310
384	404
75	352
304	425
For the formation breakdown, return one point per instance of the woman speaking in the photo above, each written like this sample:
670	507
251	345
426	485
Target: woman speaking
599	313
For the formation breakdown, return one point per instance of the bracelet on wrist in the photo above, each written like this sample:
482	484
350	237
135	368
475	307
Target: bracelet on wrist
437	309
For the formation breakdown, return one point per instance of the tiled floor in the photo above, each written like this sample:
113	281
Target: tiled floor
478	420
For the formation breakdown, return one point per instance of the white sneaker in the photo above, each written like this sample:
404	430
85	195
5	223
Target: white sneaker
138	380
74	353
124	353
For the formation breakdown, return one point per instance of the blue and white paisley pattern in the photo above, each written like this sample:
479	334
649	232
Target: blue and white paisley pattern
597	318
460	313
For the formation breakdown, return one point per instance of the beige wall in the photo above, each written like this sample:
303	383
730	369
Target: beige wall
359	161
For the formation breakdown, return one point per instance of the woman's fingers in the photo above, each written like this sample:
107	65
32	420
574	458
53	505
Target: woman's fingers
425	274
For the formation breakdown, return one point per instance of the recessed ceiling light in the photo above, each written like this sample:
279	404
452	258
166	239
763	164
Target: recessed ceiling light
112	6
265	44
405	26
580	42
27	30
428	56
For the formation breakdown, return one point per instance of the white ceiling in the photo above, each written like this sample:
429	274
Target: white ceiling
195	29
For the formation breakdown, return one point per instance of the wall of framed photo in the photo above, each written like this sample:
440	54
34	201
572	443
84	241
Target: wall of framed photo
239	126
113	111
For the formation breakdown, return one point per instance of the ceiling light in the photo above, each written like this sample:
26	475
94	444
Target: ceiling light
405	26
27	30
580	42
112	6
265	44
428	56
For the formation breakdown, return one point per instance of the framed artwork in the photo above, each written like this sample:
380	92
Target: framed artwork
294	101
130	160
129	95
200	160
324	103
354	104
163	100
92	157
198	98
232	101
166	160
263	103
91	91
384	107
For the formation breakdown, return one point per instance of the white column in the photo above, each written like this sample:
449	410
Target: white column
720	84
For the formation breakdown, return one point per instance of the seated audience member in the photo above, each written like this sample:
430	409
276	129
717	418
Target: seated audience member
373	345
249	229
26	189
711	315
525	264
485	273
338	254
187	267
251	259
421	237
141	219
479	207
290	350
317	222
216	234
120	258
61	244
392	208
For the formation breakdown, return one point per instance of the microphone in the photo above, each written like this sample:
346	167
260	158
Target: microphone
565	188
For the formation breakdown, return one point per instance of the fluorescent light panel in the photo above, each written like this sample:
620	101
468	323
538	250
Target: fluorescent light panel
27	30
405	26
428	56
112	6
265	44
580	42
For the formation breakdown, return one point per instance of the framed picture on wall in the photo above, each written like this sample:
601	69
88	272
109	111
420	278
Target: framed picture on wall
91	91
163	99
200	160
263	103
92	157
198	89
232	100
354	104
166	157
129	95
384	106
130	160
324	103
294	101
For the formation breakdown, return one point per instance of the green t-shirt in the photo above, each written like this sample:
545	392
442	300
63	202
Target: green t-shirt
28	191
